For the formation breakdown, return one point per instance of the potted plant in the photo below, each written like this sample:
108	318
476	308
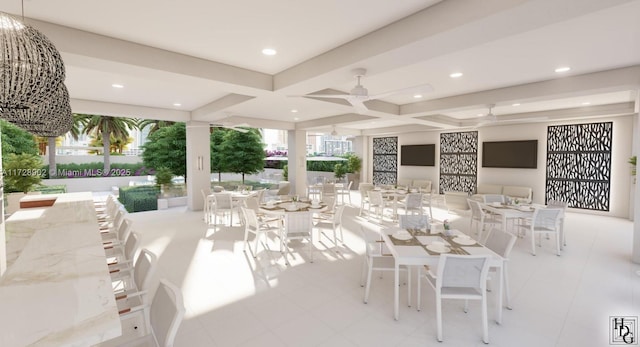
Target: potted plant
163	180
22	174
354	165
339	171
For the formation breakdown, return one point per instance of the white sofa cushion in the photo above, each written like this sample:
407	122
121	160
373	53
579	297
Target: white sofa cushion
424	184
517	192
489	189
456	200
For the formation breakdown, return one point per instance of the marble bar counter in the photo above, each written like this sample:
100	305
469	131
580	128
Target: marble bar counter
57	288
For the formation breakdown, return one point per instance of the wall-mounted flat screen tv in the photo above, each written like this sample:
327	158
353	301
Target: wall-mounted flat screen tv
418	155
510	154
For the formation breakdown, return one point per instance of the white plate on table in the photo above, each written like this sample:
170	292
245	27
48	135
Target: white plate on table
466	241
402	236
292	206
435	249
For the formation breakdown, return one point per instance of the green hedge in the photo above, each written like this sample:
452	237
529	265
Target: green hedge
52	189
139	198
95	169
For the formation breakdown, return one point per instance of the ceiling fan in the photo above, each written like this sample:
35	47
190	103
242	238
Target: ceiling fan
490	118
359	94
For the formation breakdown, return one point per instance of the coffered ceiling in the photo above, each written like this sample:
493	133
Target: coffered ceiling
206	57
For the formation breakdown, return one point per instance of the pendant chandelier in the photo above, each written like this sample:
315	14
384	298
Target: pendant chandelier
39	114
31	68
56	115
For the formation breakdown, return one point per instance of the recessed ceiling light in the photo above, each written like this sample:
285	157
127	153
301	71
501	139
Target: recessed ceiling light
586	103
480	114
563	69
418	96
177	104
456	75
515	105
294	111
269	51
296	118
116	85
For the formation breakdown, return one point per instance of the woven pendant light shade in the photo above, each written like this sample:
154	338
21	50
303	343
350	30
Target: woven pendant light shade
31	68
56	126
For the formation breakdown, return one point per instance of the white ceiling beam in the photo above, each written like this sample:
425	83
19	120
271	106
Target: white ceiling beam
434	32
333	120
598	82
132	111
400	129
209	111
83	43
261	123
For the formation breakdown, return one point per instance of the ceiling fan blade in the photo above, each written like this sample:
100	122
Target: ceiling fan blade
325	96
423	88
359	105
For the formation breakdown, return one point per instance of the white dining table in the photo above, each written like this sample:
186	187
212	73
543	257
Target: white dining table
414	253
508	212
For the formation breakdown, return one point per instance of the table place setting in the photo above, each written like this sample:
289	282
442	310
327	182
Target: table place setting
404	238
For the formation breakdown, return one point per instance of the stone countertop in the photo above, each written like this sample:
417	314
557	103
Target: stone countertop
57	290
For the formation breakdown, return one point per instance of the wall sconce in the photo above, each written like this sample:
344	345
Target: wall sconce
199	165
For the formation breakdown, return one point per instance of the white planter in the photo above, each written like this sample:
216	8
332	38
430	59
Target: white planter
13	201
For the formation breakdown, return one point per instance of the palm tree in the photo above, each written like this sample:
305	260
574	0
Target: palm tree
79	123
79	120
154	124
105	127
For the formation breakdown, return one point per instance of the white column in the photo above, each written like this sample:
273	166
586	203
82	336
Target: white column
635	253
198	164
362	147
297	153
3	241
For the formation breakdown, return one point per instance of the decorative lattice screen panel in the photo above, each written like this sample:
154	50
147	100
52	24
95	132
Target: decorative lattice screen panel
579	165
458	161
385	160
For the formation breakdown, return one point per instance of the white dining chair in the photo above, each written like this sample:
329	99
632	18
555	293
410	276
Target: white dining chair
408	221
296	226
501	243
544	221
481	218
328	190
207	205
162	317
460	277
258	228
332	221
427	199
110	230
563	205
131	284
376	259
222	206
343	192
364	188
492	198
377	204
412	204
123	253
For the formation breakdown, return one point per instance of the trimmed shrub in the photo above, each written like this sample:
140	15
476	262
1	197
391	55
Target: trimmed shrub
95	169
57	189
139	198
